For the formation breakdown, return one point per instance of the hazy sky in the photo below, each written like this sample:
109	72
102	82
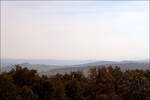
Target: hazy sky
103	30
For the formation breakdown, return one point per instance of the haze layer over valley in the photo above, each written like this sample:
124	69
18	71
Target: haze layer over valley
51	67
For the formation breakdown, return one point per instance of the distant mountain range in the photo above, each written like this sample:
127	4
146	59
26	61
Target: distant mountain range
46	61
51	67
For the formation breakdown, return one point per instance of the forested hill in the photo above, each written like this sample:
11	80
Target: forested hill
102	83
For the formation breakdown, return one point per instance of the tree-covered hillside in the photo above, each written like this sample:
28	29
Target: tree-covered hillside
101	84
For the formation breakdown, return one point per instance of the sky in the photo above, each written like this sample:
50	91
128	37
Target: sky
68	30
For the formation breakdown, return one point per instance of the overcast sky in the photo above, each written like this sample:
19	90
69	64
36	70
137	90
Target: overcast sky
102	30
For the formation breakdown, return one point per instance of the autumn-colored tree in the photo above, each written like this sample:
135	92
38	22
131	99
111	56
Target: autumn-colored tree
133	86
8	90
43	89
74	84
101	83
59	89
74	90
23	76
27	94
117	75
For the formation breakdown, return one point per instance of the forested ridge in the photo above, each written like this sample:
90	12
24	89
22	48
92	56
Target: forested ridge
102	83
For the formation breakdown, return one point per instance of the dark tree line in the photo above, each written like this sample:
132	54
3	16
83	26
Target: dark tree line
101	84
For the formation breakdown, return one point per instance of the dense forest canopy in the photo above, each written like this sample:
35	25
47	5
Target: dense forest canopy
101	84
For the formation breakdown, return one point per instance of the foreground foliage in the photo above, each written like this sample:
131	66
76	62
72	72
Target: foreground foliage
101	84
